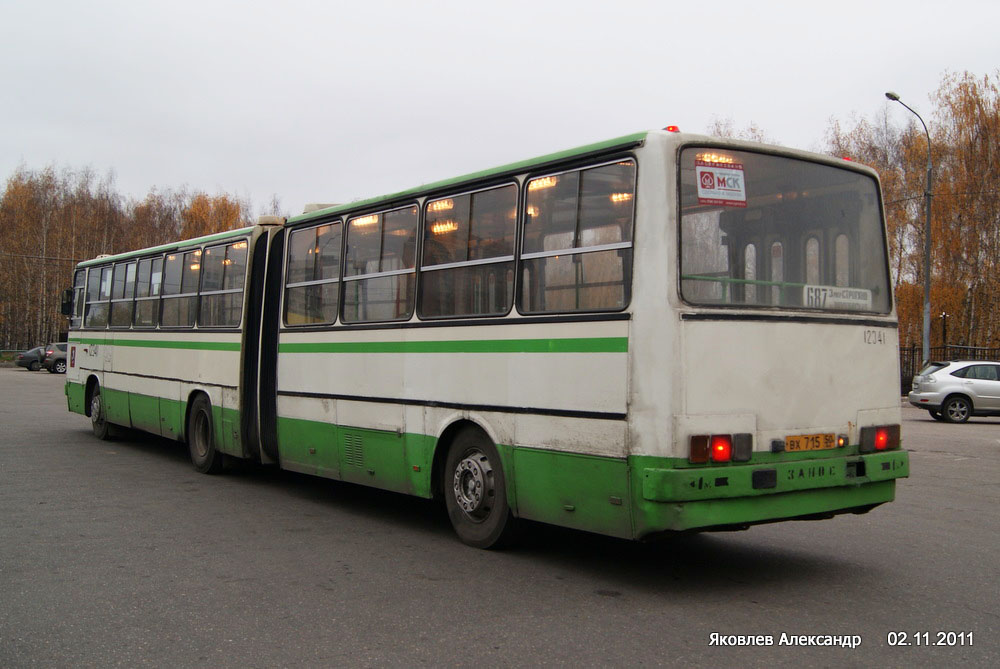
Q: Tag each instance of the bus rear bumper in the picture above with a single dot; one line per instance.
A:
(723, 497)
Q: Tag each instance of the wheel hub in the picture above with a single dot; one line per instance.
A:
(96, 411)
(473, 485)
(201, 435)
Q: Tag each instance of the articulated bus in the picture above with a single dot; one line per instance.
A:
(658, 333)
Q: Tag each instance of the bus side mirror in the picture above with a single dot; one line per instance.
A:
(67, 302)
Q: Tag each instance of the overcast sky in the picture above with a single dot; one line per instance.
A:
(336, 101)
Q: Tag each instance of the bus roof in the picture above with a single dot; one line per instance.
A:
(512, 168)
(162, 248)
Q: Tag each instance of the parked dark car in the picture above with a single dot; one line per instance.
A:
(32, 359)
(55, 358)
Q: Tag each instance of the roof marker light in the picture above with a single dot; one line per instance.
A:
(672, 128)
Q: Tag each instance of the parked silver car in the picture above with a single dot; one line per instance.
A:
(954, 391)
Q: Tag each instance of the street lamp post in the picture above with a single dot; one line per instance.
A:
(926, 350)
(944, 332)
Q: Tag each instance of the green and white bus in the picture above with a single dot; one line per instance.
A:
(661, 332)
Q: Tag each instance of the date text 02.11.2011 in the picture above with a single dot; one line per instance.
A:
(929, 638)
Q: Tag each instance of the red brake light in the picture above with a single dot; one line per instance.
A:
(672, 128)
(879, 438)
(721, 448)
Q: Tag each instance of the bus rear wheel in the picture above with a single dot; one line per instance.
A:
(99, 416)
(475, 492)
(201, 438)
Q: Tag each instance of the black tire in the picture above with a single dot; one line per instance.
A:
(34, 366)
(475, 492)
(99, 416)
(956, 410)
(59, 367)
(201, 438)
(936, 415)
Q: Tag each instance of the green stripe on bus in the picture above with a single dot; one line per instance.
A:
(575, 345)
(569, 345)
(155, 343)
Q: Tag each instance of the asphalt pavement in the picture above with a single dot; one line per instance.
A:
(120, 554)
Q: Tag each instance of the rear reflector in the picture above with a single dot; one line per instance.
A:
(699, 449)
(742, 447)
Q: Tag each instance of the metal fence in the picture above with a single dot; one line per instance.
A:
(910, 359)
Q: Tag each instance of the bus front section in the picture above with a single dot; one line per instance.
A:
(788, 405)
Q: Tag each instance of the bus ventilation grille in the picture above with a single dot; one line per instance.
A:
(353, 452)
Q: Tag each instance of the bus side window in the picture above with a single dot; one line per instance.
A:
(180, 289)
(577, 248)
(147, 292)
(312, 279)
(223, 269)
(841, 261)
(122, 292)
(474, 231)
(79, 295)
(750, 273)
(777, 272)
(812, 262)
(98, 292)
(380, 266)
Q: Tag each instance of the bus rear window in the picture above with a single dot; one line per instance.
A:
(760, 230)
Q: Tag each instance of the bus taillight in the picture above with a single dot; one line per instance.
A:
(879, 438)
(722, 448)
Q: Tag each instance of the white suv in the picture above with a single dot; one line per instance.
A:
(953, 391)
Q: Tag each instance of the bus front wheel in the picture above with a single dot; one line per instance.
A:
(201, 438)
(475, 492)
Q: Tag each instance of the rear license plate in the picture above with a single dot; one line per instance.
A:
(810, 442)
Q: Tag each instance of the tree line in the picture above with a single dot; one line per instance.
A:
(51, 219)
(964, 128)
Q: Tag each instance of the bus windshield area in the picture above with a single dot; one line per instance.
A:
(760, 230)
